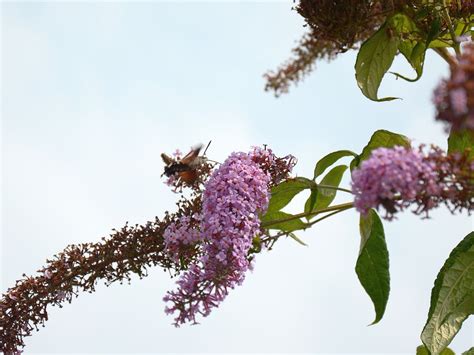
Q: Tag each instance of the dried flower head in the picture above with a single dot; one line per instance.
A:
(454, 97)
(130, 250)
(461, 9)
(334, 28)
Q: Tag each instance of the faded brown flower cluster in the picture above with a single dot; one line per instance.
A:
(335, 26)
(78, 268)
(455, 174)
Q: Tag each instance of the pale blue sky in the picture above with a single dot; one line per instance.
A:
(93, 92)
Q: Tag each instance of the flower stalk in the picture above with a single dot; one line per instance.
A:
(340, 207)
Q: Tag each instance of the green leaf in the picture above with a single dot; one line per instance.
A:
(283, 193)
(459, 141)
(286, 224)
(434, 31)
(372, 265)
(452, 297)
(326, 195)
(414, 52)
(410, 46)
(330, 159)
(310, 202)
(445, 40)
(437, 43)
(298, 240)
(469, 352)
(380, 138)
(374, 59)
(422, 350)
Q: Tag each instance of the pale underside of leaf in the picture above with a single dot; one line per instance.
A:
(452, 299)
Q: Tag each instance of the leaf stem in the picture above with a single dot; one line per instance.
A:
(329, 215)
(280, 234)
(443, 52)
(451, 28)
(342, 206)
(329, 187)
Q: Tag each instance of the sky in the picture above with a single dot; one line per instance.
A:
(93, 92)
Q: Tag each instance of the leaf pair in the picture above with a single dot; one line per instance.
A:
(281, 196)
(376, 55)
(400, 34)
(324, 193)
(321, 195)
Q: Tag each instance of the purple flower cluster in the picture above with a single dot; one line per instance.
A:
(234, 196)
(394, 178)
(182, 235)
(454, 98)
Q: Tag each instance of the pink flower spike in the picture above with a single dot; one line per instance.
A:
(234, 196)
(395, 178)
(392, 178)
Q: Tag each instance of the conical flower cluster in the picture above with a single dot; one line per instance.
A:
(396, 178)
(236, 193)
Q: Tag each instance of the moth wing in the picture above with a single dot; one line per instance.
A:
(188, 176)
(193, 154)
(167, 159)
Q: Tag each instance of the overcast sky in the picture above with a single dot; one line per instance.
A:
(93, 92)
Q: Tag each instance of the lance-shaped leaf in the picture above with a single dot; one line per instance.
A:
(297, 239)
(328, 160)
(380, 138)
(460, 141)
(374, 59)
(469, 352)
(326, 195)
(372, 266)
(452, 297)
(283, 193)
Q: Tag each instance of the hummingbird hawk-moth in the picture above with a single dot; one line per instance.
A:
(187, 167)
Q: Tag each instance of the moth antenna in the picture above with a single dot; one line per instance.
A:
(205, 150)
